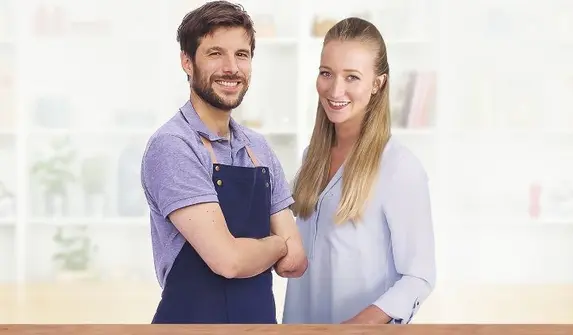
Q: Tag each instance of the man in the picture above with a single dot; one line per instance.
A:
(217, 193)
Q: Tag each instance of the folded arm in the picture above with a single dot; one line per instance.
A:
(176, 174)
(295, 262)
(283, 223)
(205, 228)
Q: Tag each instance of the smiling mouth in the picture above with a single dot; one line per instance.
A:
(228, 83)
(337, 103)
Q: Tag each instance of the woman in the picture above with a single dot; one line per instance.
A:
(361, 198)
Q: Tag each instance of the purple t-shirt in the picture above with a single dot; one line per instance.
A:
(176, 172)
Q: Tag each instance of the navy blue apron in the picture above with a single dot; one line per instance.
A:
(193, 293)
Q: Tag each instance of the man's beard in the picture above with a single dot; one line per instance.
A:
(202, 86)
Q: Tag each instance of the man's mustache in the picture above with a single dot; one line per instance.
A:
(231, 78)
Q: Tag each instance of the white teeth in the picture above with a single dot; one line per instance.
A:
(228, 83)
(338, 103)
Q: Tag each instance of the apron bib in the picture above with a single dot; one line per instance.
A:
(193, 293)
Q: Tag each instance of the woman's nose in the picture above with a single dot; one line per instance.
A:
(337, 88)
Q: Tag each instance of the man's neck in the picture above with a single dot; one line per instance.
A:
(215, 119)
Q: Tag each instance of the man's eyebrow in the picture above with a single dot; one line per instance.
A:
(215, 48)
(219, 49)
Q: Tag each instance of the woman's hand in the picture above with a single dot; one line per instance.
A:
(370, 315)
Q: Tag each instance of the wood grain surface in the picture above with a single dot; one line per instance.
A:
(282, 329)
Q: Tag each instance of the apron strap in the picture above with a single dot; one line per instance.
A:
(209, 147)
(252, 156)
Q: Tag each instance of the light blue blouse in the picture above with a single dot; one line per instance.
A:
(387, 259)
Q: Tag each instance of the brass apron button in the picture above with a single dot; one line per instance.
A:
(217, 168)
(264, 171)
(219, 182)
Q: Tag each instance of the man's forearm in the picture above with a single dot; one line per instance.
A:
(257, 256)
(283, 224)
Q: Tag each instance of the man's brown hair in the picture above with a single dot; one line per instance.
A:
(206, 19)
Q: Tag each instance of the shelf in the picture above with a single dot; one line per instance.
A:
(91, 131)
(499, 223)
(414, 131)
(403, 54)
(79, 132)
(92, 222)
(283, 42)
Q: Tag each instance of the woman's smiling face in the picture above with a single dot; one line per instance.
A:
(346, 80)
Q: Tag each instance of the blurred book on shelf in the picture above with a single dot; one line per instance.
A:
(324, 21)
(87, 19)
(413, 99)
(264, 25)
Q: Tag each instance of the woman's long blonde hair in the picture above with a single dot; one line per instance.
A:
(362, 164)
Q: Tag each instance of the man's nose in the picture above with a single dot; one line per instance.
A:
(230, 65)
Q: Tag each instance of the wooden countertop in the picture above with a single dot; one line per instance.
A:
(134, 303)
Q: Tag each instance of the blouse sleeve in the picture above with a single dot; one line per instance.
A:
(408, 212)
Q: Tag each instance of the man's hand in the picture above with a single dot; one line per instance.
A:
(295, 263)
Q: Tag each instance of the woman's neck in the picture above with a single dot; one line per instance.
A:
(346, 134)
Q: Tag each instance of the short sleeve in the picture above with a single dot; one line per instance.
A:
(173, 175)
(281, 195)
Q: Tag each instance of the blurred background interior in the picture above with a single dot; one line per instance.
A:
(480, 92)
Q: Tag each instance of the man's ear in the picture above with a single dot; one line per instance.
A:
(379, 83)
(186, 64)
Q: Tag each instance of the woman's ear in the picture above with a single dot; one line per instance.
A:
(186, 64)
(379, 83)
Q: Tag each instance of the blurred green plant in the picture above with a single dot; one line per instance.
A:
(76, 250)
(54, 172)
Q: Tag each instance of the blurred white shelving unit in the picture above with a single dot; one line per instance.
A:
(488, 115)
(507, 143)
(94, 83)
